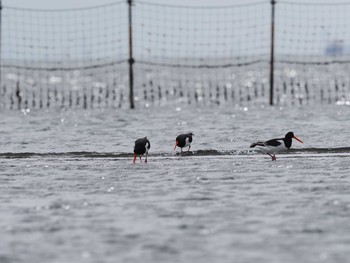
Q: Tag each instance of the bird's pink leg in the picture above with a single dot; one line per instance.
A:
(146, 158)
(134, 158)
(272, 156)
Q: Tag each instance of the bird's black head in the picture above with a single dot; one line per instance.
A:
(190, 135)
(289, 135)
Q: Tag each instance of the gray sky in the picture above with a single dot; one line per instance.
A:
(45, 4)
(85, 3)
(310, 29)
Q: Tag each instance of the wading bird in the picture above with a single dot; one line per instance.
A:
(271, 147)
(141, 147)
(184, 140)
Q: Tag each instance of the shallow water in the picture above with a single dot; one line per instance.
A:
(65, 205)
(108, 130)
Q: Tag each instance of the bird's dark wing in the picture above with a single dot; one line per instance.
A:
(142, 141)
(181, 137)
(274, 142)
(258, 144)
(138, 141)
(181, 140)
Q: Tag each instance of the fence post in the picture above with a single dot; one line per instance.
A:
(131, 60)
(272, 51)
(0, 40)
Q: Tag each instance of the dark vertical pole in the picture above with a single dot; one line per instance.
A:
(272, 51)
(131, 60)
(0, 39)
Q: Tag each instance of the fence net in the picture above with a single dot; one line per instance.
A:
(183, 54)
(63, 58)
(313, 53)
(200, 55)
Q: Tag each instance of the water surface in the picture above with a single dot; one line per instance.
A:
(76, 196)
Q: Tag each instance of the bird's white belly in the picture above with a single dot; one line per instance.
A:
(187, 143)
(272, 149)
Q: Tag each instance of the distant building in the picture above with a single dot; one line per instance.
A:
(335, 48)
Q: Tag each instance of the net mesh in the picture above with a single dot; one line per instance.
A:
(183, 54)
(72, 58)
(200, 55)
(313, 53)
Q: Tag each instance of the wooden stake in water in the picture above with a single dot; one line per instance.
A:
(18, 95)
(131, 59)
(272, 51)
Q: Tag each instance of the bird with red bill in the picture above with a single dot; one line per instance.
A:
(141, 147)
(273, 146)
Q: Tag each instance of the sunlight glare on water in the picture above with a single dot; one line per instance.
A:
(212, 208)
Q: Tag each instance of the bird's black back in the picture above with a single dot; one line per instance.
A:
(287, 140)
(140, 146)
(181, 139)
(274, 142)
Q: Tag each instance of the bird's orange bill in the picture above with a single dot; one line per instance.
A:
(134, 158)
(175, 145)
(298, 139)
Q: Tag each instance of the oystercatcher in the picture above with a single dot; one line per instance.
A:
(141, 147)
(184, 140)
(271, 147)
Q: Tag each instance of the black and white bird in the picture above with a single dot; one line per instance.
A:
(141, 147)
(273, 146)
(184, 140)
